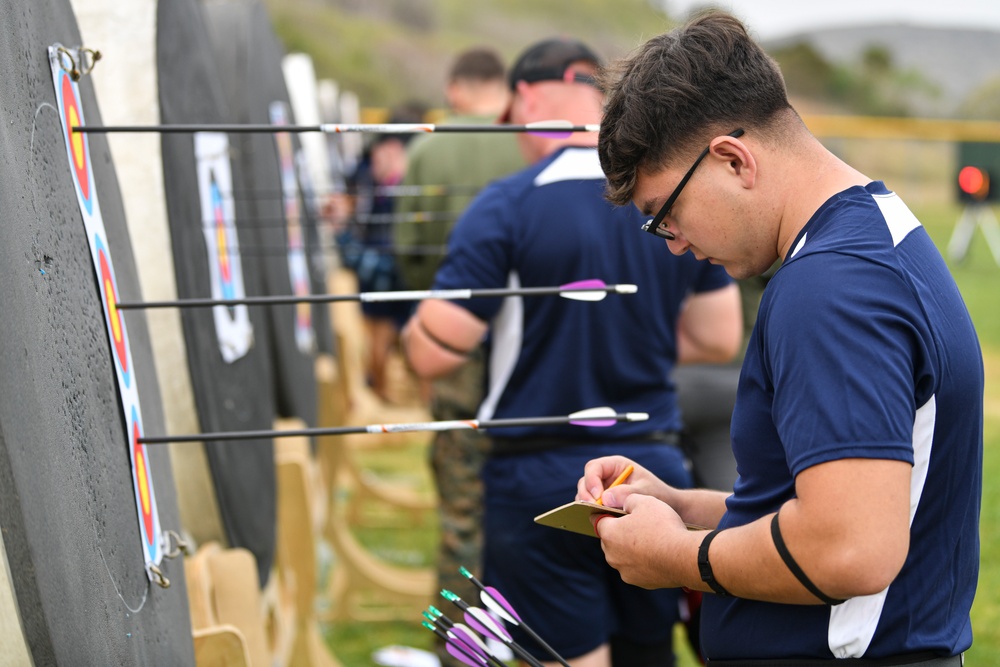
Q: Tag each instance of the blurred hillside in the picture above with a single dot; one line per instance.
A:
(391, 52)
(394, 51)
(896, 69)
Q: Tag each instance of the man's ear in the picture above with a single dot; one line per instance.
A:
(737, 155)
(526, 96)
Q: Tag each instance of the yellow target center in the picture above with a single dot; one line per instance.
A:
(76, 138)
(109, 294)
(140, 465)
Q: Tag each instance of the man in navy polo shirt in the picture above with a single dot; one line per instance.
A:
(550, 225)
(852, 533)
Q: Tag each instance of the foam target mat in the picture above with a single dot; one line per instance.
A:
(83, 508)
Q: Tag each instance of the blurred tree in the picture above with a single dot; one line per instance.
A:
(878, 88)
(388, 51)
(807, 73)
(983, 103)
(873, 86)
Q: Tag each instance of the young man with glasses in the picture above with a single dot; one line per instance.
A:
(852, 532)
(549, 225)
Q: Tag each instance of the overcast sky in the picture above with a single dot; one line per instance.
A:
(777, 18)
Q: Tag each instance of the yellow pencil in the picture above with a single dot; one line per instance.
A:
(621, 478)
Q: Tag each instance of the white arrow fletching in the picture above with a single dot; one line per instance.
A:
(595, 413)
(465, 633)
(549, 125)
(584, 295)
(489, 623)
(496, 608)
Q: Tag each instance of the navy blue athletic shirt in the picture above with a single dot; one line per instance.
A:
(863, 348)
(549, 225)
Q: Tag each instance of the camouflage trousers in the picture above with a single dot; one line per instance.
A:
(456, 460)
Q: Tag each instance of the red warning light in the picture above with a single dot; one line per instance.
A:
(974, 182)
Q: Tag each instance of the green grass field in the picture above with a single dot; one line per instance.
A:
(978, 278)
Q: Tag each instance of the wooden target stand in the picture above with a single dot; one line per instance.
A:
(363, 587)
(346, 400)
(225, 602)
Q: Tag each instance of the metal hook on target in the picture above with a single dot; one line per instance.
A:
(68, 62)
(179, 544)
(158, 576)
(77, 62)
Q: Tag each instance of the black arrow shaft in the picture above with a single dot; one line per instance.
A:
(264, 128)
(371, 297)
(374, 428)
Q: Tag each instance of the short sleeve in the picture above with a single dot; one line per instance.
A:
(480, 250)
(841, 360)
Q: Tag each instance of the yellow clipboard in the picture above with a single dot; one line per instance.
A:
(575, 517)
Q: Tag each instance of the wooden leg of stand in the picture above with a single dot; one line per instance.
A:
(298, 487)
(220, 646)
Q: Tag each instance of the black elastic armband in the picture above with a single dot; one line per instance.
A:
(786, 556)
(440, 343)
(705, 567)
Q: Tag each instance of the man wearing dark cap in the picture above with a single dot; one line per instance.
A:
(549, 224)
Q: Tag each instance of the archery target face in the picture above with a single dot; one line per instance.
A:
(218, 213)
(298, 269)
(78, 154)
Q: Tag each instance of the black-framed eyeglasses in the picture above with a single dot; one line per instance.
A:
(655, 224)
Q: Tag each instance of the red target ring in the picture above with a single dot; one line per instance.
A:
(113, 314)
(142, 484)
(75, 140)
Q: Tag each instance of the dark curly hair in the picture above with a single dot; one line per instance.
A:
(678, 90)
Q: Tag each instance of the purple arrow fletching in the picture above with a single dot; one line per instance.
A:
(496, 602)
(584, 290)
(551, 134)
(594, 417)
(481, 621)
(466, 637)
(464, 655)
(592, 283)
(478, 627)
(594, 422)
(492, 598)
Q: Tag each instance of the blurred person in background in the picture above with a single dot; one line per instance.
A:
(454, 167)
(707, 394)
(366, 244)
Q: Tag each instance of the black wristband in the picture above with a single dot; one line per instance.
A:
(786, 556)
(437, 341)
(705, 568)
